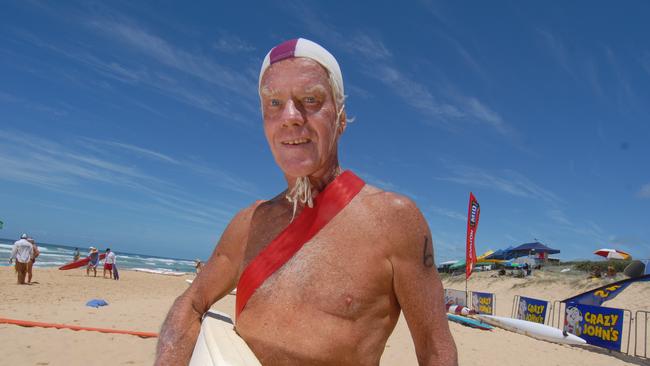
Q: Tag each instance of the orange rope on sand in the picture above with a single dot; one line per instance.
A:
(25, 323)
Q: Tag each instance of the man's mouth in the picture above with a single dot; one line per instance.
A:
(298, 141)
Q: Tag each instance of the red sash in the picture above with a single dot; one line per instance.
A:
(327, 205)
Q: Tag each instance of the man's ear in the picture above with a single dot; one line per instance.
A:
(343, 122)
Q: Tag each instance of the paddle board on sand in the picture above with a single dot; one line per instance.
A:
(80, 263)
(469, 322)
(219, 345)
(531, 329)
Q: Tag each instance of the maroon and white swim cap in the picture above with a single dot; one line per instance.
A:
(301, 47)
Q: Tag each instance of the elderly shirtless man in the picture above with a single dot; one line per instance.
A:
(324, 268)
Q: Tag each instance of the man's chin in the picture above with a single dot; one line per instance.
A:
(298, 170)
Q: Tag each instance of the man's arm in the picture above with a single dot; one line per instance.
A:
(417, 285)
(183, 323)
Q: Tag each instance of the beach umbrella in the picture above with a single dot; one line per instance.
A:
(612, 254)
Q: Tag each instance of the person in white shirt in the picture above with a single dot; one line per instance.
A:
(109, 261)
(22, 252)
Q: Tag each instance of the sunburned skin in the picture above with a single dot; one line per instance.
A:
(336, 301)
(332, 303)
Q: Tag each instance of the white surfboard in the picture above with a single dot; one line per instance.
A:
(531, 329)
(219, 345)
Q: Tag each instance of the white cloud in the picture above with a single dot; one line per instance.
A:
(509, 182)
(557, 49)
(164, 52)
(559, 216)
(644, 192)
(136, 149)
(13, 99)
(645, 61)
(102, 175)
(161, 81)
(230, 43)
(378, 63)
(448, 213)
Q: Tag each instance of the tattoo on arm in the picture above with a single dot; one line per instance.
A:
(427, 259)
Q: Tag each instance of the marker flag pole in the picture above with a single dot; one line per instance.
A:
(473, 214)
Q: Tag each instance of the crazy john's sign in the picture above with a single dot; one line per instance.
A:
(483, 302)
(598, 325)
(532, 310)
(455, 297)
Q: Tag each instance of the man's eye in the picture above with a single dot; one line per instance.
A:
(309, 100)
(275, 102)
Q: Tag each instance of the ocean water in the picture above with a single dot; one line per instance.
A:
(55, 255)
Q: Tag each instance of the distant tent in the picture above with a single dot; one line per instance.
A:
(502, 254)
(535, 247)
(522, 251)
(461, 264)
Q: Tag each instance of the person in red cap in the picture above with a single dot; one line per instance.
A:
(324, 269)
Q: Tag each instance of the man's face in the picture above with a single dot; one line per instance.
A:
(299, 116)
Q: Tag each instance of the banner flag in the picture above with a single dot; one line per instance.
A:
(604, 293)
(598, 325)
(472, 225)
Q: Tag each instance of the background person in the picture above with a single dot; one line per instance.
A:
(198, 265)
(109, 261)
(30, 264)
(94, 260)
(76, 255)
(22, 251)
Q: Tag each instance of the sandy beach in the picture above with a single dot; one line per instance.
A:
(139, 301)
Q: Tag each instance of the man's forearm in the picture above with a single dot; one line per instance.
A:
(179, 333)
(442, 353)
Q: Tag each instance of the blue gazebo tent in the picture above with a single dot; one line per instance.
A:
(535, 248)
(503, 254)
(523, 250)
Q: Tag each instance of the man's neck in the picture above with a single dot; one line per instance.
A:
(319, 180)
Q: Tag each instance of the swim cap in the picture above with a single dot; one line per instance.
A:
(24, 236)
(301, 47)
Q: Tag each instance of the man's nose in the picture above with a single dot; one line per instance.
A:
(291, 115)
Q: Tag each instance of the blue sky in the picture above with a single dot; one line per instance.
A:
(136, 125)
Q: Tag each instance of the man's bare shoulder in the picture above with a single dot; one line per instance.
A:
(237, 230)
(245, 215)
(393, 210)
(390, 203)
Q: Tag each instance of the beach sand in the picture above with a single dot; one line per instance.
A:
(139, 301)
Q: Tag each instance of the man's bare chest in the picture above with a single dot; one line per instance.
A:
(342, 270)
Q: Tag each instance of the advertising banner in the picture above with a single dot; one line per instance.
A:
(604, 293)
(473, 214)
(532, 310)
(482, 302)
(455, 297)
(598, 325)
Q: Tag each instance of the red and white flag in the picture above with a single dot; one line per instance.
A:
(472, 225)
